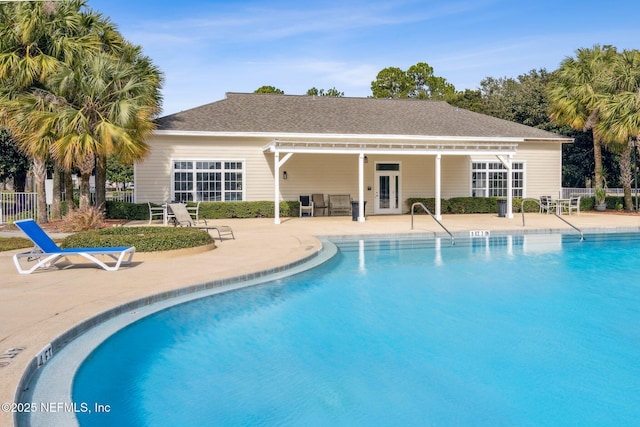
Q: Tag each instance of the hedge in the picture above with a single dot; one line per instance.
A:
(210, 210)
(264, 209)
(475, 205)
(145, 239)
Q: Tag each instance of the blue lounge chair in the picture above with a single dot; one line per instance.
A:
(46, 252)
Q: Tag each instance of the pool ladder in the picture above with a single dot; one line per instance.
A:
(453, 240)
(555, 213)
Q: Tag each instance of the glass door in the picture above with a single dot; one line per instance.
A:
(387, 191)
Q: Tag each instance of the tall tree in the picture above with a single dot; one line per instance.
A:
(620, 113)
(98, 95)
(520, 100)
(36, 40)
(109, 109)
(321, 92)
(119, 173)
(391, 82)
(269, 90)
(468, 99)
(426, 85)
(418, 82)
(27, 58)
(575, 91)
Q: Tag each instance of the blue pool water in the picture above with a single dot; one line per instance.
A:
(510, 330)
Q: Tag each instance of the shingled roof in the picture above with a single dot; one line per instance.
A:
(241, 112)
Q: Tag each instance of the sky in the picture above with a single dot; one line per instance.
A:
(208, 48)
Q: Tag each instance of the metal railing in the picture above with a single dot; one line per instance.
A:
(545, 208)
(16, 206)
(566, 192)
(453, 240)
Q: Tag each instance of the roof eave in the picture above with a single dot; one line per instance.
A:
(565, 140)
(357, 137)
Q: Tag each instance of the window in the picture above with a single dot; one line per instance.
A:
(489, 179)
(207, 180)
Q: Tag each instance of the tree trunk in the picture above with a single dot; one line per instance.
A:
(85, 191)
(68, 191)
(86, 166)
(55, 206)
(597, 157)
(625, 175)
(101, 182)
(40, 175)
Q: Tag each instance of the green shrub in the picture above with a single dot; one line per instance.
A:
(461, 205)
(475, 205)
(124, 210)
(587, 203)
(260, 209)
(210, 210)
(290, 208)
(614, 202)
(145, 239)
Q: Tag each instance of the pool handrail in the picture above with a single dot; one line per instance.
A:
(554, 213)
(453, 240)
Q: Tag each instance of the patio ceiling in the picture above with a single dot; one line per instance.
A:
(406, 147)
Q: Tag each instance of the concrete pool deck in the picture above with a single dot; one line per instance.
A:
(37, 308)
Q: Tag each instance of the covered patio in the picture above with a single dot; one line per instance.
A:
(503, 149)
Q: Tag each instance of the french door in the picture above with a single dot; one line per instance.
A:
(388, 193)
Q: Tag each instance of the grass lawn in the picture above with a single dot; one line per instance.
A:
(11, 243)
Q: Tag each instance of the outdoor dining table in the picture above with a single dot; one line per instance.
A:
(560, 205)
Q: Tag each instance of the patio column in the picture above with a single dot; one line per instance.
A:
(276, 186)
(277, 163)
(507, 163)
(361, 188)
(438, 213)
(509, 187)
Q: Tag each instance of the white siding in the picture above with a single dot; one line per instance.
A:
(153, 174)
(332, 174)
(543, 165)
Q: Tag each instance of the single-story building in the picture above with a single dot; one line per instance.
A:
(277, 147)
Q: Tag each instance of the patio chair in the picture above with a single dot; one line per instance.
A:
(339, 204)
(319, 204)
(46, 252)
(547, 204)
(574, 204)
(155, 211)
(306, 206)
(194, 211)
(183, 219)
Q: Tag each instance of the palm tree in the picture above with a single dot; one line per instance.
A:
(575, 91)
(36, 38)
(22, 64)
(620, 113)
(17, 117)
(73, 88)
(110, 105)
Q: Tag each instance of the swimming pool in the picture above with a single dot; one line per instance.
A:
(507, 330)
